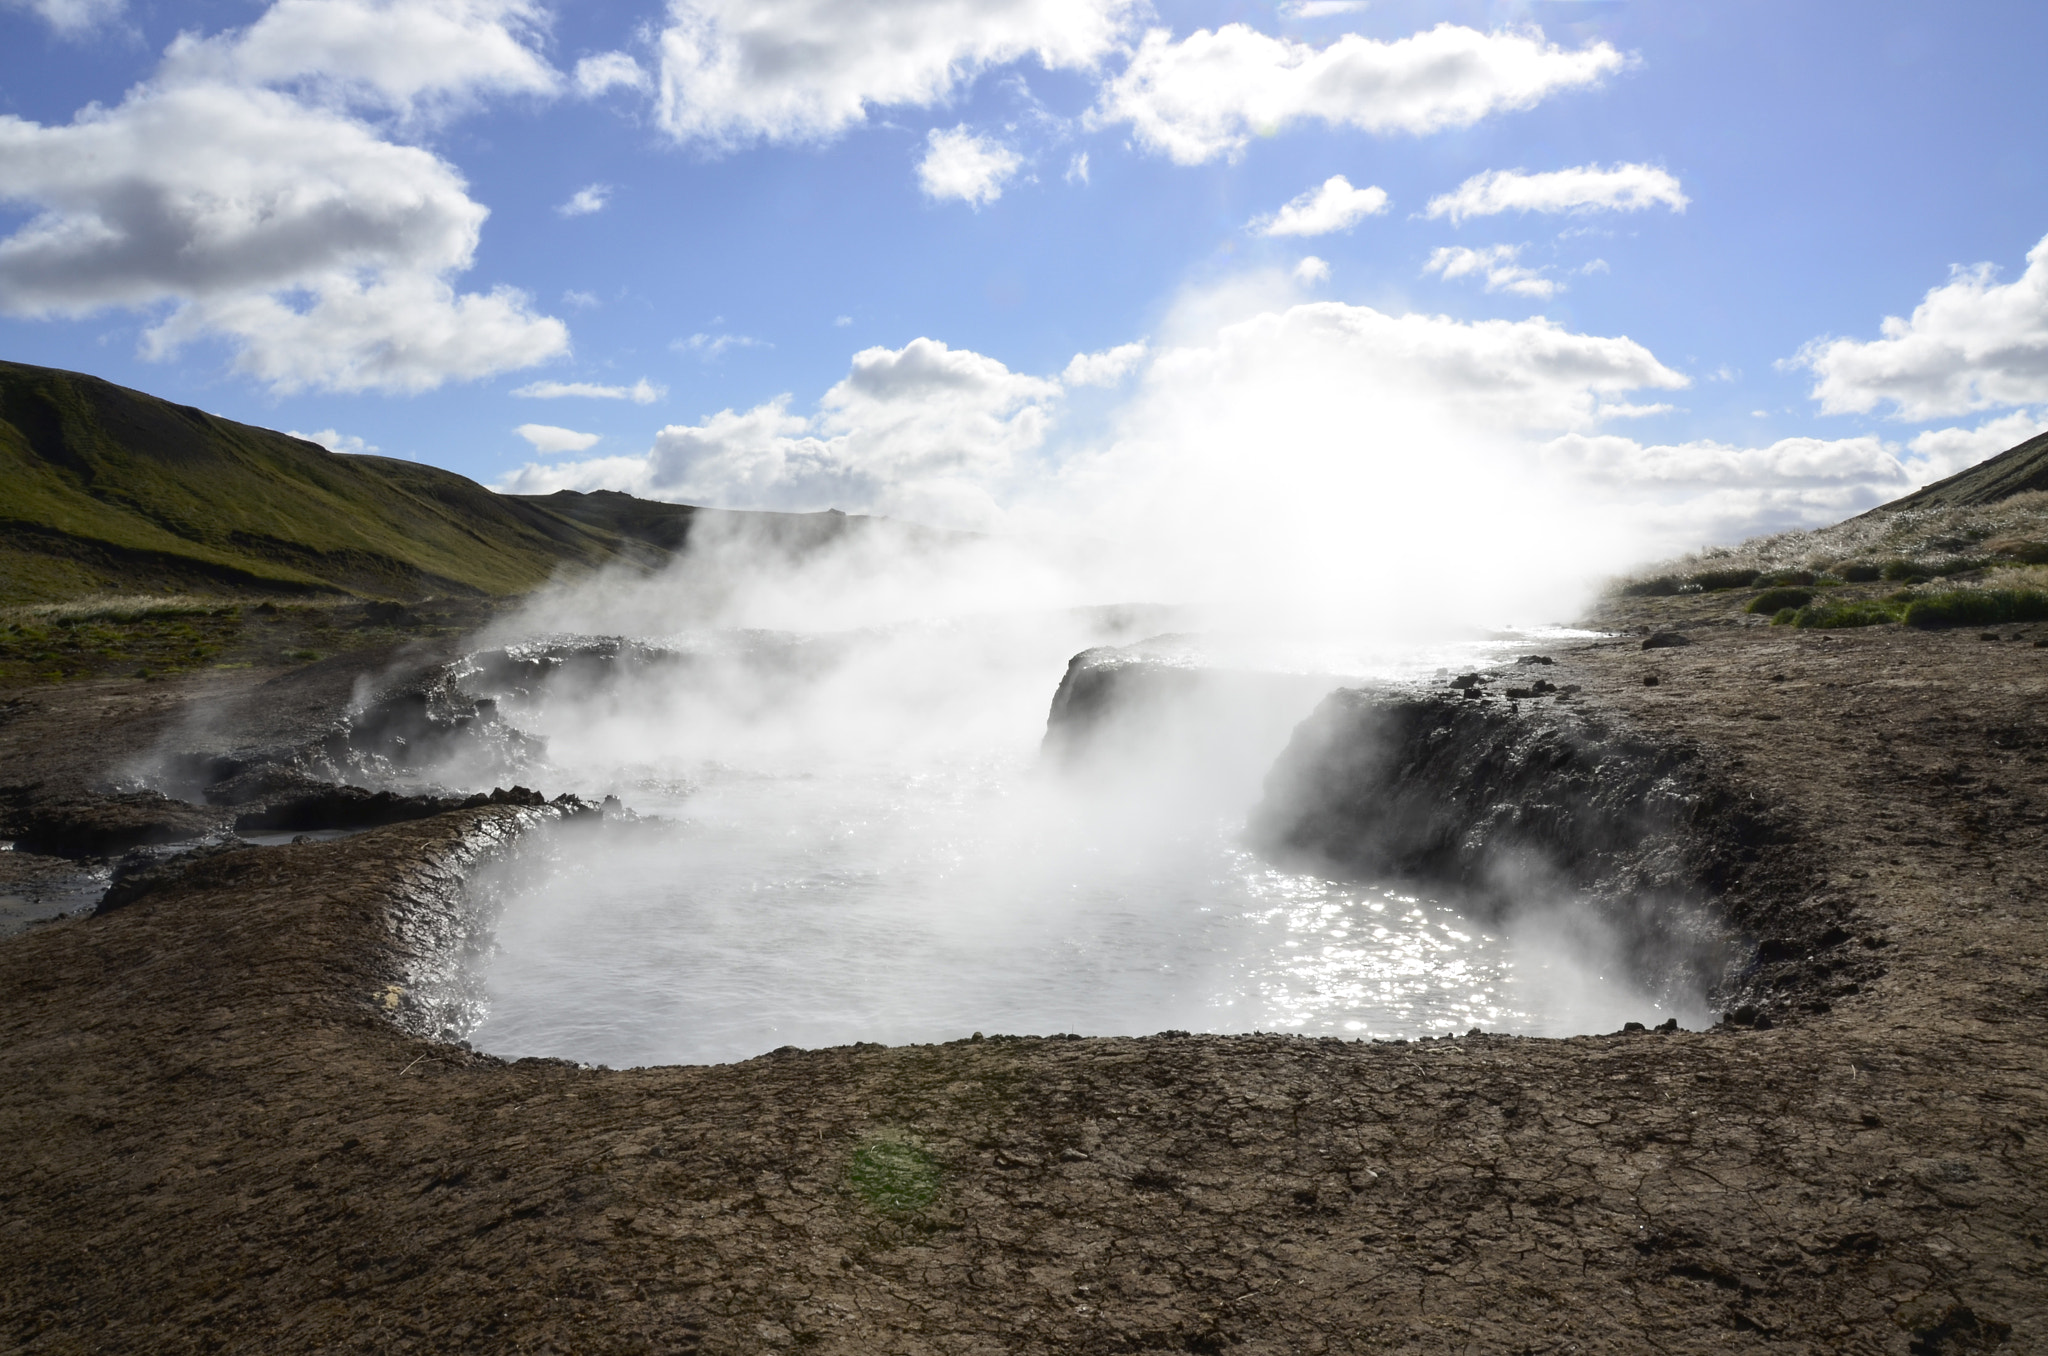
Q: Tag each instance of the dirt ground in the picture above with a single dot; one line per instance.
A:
(218, 1140)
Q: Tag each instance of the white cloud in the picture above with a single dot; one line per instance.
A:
(842, 321)
(959, 164)
(1210, 93)
(641, 392)
(321, 251)
(923, 431)
(712, 346)
(1706, 491)
(737, 71)
(580, 300)
(335, 441)
(597, 75)
(402, 332)
(1106, 368)
(1319, 9)
(1971, 344)
(71, 18)
(1311, 270)
(549, 440)
(1496, 264)
(394, 54)
(584, 201)
(1077, 169)
(1587, 188)
(1333, 206)
(1944, 451)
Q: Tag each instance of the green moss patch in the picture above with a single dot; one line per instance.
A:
(893, 1175)
(1777, 600)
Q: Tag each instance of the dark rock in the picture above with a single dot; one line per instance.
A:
(99, 826)
(1535, 659)
(1650, 680)
(1667, 640)
(1467, 681)
(1627, 1027)
(1987, 635)
(1520, 694)
(139, 874)
(263, 782)
(1668, 1025)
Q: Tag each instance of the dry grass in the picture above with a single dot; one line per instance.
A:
(1936, 539)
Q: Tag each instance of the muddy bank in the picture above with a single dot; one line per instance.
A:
(224, 1141)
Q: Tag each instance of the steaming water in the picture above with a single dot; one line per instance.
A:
(857, 839)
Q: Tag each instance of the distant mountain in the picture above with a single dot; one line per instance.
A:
(2014, 471)
(102, 487)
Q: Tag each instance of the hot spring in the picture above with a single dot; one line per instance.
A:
(825, 837)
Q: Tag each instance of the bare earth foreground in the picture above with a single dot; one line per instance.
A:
(217, 1140)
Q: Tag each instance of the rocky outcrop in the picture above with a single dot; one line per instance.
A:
(1509, 808)
(99, 825)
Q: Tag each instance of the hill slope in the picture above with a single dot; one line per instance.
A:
(102, 487)
(2017, 470)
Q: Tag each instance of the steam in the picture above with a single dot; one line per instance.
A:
(828, 730)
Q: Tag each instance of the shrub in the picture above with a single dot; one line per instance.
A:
(1829, 615)
(1724, 579)
(1860, 572)
(1978, 607)
(1663, 586)
(1781, 578)
(1903, 571)
(1777, 600)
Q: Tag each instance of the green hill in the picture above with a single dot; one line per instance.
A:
(2016, 470)
(103, 488)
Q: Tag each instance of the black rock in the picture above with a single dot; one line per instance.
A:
(1666, 640)
(1535, 659)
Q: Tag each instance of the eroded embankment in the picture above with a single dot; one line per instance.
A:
(223, 1142)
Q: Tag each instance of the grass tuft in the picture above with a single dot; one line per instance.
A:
(1977, 607)
(894, 1176)
(1778, 600)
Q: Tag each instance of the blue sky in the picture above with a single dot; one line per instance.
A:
(846, 254)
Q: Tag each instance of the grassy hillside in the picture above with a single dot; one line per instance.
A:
(107, 490)
(2017, 470)
(105, 487)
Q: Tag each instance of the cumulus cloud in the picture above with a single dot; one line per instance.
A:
(597, 75)
(1944, 451)
(1106, 368)
(320, 249)
(955, 437)
(1208, 94)
(1312, 270)
(584, 201)
(1077, 169)
(72, 18)
(1972, 344)
(1587, 188)
(959, 164)
(1333, 206)
(1497, 265)
(548, 440)
(402, 332)
(924, 431)
(738, 71)
(641, 392)
(335, 441)
(391, 53)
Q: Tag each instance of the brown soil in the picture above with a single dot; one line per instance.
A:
(219, 1139)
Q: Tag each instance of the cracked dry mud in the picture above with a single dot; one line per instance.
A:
(217, 1141)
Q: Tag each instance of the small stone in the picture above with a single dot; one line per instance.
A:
(1649, 680)
(1987, 635)
(1666, 640)
(1633, 1026)
(1669, 1024)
